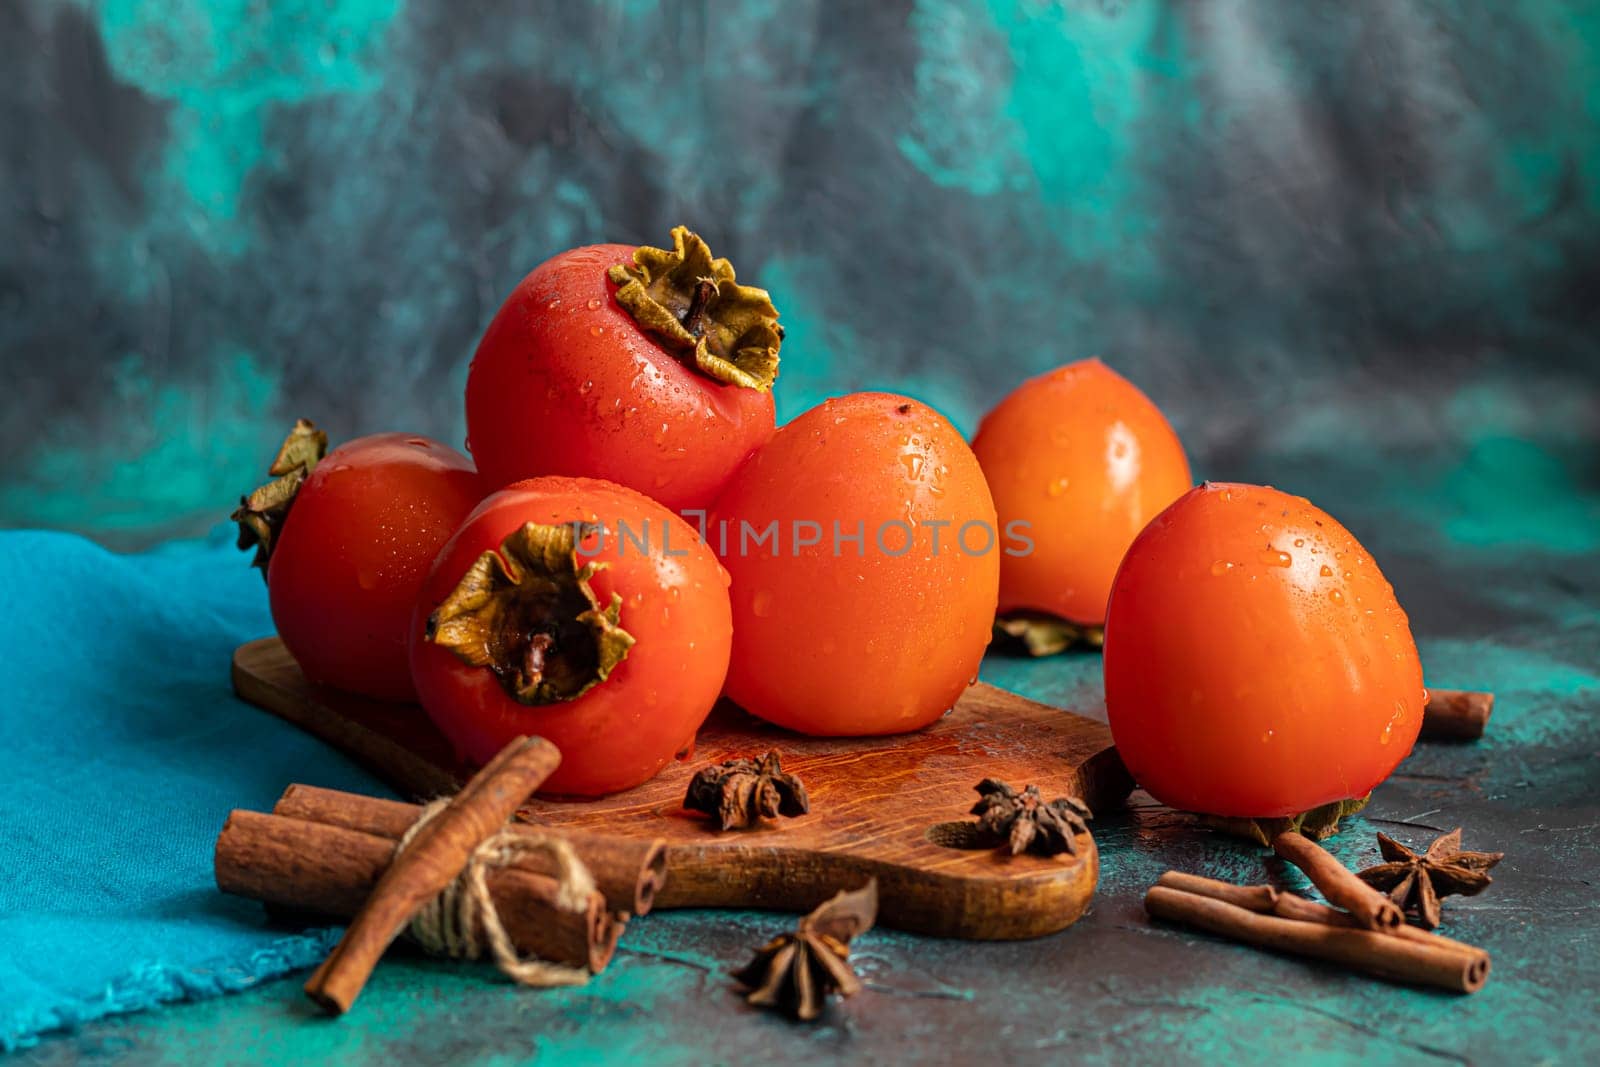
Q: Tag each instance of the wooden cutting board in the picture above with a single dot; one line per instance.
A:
(890, 807)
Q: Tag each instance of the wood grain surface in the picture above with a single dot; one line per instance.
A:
(894, 808)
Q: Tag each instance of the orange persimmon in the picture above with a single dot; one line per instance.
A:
(1085, 459)
(1257, 663)
(864, 554)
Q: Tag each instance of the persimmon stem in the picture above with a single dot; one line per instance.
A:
(694, 319)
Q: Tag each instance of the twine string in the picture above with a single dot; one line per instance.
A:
(449, 924)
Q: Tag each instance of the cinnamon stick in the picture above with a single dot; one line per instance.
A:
(1290, 906)
(1370, 908)
(1267, 900)
(307, 868)
(1395, 958)
(627, 870)
(1258, 898)
(433, 859)
(1456, 714)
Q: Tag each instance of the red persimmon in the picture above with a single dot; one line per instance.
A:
(647, 367)
(580, 611)
(1083, 457)
(1257, 663)
(865, 558)
(345, 540)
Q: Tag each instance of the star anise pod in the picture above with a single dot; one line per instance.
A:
(1026, 823)
(1417, 881)
(738, 792)
(794, 972)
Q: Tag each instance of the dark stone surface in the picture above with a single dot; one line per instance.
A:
(1113, 988)
(1351, 249)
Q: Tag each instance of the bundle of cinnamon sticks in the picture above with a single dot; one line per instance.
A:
(1365, 932)
(333, 854)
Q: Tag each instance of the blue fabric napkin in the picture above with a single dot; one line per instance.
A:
(122, 749)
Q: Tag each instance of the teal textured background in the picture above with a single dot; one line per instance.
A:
(1300, 228)
(1352, 249)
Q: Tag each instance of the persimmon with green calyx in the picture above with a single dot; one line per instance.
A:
(1257, 664)
(580, 611)
(1083, 457)
(344, 540)
(865, 561)
(648, 367)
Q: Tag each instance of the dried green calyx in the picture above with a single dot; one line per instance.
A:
(261, 514)
(692, 304)
(1318, 823)
(528, 613)
(1040, 634)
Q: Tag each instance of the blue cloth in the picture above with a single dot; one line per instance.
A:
(122, 749)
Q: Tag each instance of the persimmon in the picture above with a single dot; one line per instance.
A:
(647, 367)
(1257, 663)
(580, 611)
(345, 539)
(865, 558)
(1084, 458)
